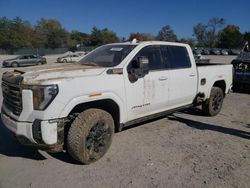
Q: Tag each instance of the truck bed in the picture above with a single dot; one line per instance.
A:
(212, 73)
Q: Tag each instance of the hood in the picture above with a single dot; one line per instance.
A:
(46, 73)
(11, 59)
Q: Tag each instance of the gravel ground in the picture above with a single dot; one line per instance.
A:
(185, 149)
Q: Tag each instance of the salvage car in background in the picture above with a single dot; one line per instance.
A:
(215, 51)
(241, 77)
(24, 60)
(70, 58)
(224, 52)
(233, 52)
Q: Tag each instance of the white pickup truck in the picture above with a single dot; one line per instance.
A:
(78, 107)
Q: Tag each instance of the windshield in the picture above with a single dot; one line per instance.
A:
(107, 56)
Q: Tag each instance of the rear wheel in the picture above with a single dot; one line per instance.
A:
(14, 64)
(213, 105)
(65, 61)
(90, 135)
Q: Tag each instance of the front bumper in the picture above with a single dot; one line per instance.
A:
(45, 135)
(6, 64)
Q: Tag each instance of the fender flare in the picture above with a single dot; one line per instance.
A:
(84, 99)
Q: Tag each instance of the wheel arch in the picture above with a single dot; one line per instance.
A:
(108, 105)
(220, 84)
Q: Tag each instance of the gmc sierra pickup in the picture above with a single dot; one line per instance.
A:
(78, 107)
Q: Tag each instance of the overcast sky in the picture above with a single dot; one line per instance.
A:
(124, 17)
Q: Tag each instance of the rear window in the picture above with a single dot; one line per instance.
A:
(177, 57)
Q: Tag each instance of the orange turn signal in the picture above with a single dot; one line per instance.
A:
(94, 94)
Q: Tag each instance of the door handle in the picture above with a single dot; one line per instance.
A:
(162, 78)
(192, 74)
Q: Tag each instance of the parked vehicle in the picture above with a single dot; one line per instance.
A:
(197, 54)
(215, 51)
(112, 87)
(70, 58)
(24, 60)
(224, 52)
(199, 58)
(234, 52)
(205, 52)
(241, 78)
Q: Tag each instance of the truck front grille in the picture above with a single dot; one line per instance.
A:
(12, 97)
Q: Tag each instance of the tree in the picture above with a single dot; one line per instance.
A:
(141, 36)
(102, 36)
(138, 36)
(246, 36)
(214, 27)
(207, 34)
(15, 34)
(4, 32)
(231, 37)
(199, 31)
(56, 36)
(167, 34)
(189, 41)
(80, 38)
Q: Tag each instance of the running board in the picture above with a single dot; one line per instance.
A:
(154, 116)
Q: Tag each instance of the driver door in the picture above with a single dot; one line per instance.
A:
(147, 95)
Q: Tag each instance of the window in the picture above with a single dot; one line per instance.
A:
(107, 56)
(153, 53)
(177, 57)
(33, 57)
(24, 57)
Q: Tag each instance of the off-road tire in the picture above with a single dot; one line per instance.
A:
(212, 106)
(15, 64)
(84, 143)
(39, 63)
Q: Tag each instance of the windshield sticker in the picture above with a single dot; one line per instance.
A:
(116, 49)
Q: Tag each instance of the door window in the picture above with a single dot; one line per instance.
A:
(177, 57)
(153, 53)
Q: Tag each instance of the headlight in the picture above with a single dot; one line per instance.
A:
(42, 95)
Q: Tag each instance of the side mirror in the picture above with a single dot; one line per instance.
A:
(140, 67)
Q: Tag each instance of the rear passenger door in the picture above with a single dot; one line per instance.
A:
(32, 60)
(183, 82)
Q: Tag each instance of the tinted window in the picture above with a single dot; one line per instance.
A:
(24, 57)
(177, 57)
(153, 53)
(33, 56)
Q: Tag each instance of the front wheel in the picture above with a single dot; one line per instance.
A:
(90, 135)
(14, 64)
(213, 105)
(39, 63)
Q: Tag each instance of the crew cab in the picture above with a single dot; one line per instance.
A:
(78, 107)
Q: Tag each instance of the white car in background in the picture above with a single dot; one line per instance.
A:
(70, 58)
